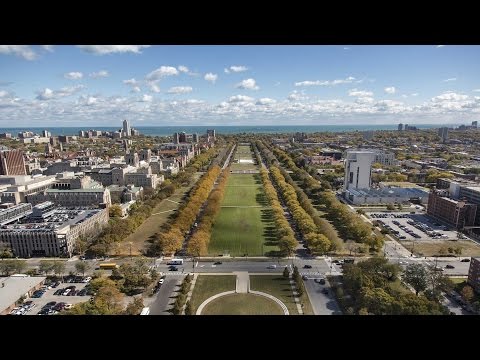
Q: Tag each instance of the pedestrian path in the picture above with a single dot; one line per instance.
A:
(176, 202)
(243, 282)
(295, 297)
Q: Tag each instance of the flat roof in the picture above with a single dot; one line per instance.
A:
(12, 288)
(389, 192)
(75, 190)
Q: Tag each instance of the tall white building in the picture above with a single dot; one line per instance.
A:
(126, 128)
(358, 166)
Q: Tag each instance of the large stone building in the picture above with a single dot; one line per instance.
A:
(14, 212)
(12, 162)
(358, 168)
(16, 189)
(50, 231)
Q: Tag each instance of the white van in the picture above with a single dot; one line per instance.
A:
(145, 311)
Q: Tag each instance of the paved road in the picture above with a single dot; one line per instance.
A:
(163, 298)
(322, 304)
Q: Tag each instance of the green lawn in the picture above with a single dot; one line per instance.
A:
(243, 166)
(242, 304)
(242, 231)
(209, 285)
(277, 286)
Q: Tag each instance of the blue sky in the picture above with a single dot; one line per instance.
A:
(237, 85)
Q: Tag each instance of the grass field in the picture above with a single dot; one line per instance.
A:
(425, 248)
(279, 287)
(242, 304)
(152, 225)
(209, 285)
(243, 190)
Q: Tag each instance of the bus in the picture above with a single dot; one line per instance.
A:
(145, 311)
(108, 266)
(175, 262)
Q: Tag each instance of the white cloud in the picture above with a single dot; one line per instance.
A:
(235, 69)
(3, 93)
(180, 90)
(154, 86)
(211, 77)
(74, 75)
(347, 80)
(360, 93)
(346, 48)
(48, 48)
(449, 96)
(450, 79)
(111, 49)
(161, 72)
(476, 90)
(99, 74)
(49, 94)
(249, 84)
(266, 101)
(137, 89)
(183, 69)
(147, 98)
(390, 90)
(414, 94)
(240, 98)
(296, 96)
(23, 51)
(440, 46)
(133, 83)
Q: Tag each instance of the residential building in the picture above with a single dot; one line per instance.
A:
(211, 133)
(52, 231)
(12, 162)
(46, 133)
(5, 136)
(400, 127)
(443, 133)
(474, 124)
(126, 128)
(474, 274)
(458, 213)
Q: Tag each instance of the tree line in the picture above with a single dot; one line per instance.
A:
(198, 243)
(171, 240)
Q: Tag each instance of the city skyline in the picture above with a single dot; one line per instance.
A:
(100, 85)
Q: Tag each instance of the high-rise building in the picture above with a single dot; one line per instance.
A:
(182, 137)
(443, 133)
(145, 155)
(195, 138)
(176, 138)
(400, 127)
(358, 168)
(406, 127)
(126, 128)
(12, 163)
(474, 124)
(211, 132)
(46, 133)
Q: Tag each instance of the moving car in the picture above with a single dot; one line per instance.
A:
(306, 266)
(465, 260)
(321, 281)
(173, 268)
(217, 263)
(160, 282)
(272, 266)
(449, 266)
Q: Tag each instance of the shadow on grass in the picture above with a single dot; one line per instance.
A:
(261, 199)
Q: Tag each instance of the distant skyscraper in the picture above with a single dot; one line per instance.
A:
(211, 132)
(182, 137)
(443, 133)
(474, 124)
(368, 135)
(406, 127)
(195, 138)
(358, 169)
(46, 133)
(126, 128)
(12, 163)
(400, 127)
(176, 138)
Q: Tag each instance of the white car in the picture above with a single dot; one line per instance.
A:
(87, 279)
(68, 306)
(160, 282)
(65, 293)
(271, 266)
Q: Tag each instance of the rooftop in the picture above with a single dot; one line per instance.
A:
(12, 288)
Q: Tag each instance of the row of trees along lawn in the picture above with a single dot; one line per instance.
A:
(118, 228)
(198, 243)
(372, 287)
(283, 230)
(323, 225)
(171, 240)
(316, 241)
(181, 298)
(349, 225)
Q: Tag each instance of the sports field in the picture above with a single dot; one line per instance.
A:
(244, 224)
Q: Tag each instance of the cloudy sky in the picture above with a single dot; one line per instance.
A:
(95, 85)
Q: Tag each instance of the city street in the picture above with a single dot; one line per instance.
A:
(322, 304)
(162, 300)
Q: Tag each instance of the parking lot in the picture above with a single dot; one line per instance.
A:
(420, 227)
(49, 297)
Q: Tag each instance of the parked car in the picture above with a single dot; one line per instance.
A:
(67, 306)
(87, 279)
(320, 281)
(448, 266)
(306, 266)
(173, 268)
(82, 292)
(325, 291)
(304, 277)
(217, 263)
(465, 260)
(160, 282)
